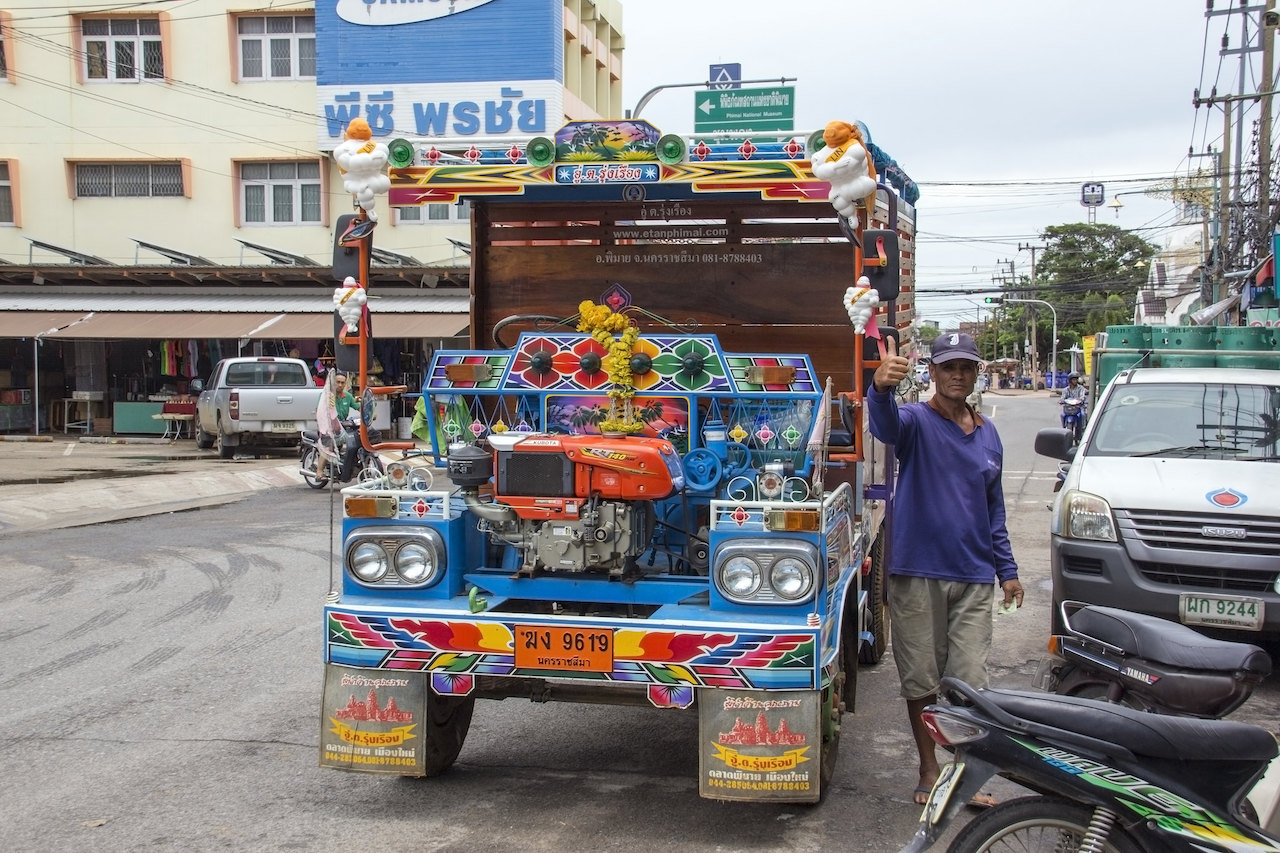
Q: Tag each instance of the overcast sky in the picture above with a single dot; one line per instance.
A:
(1023, 100)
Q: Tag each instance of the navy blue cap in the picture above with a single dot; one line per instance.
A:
(954, 345)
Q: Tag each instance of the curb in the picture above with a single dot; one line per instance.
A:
(26, 438)
(115, 439)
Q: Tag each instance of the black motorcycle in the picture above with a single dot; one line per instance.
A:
(1109, 779)
(356, 462)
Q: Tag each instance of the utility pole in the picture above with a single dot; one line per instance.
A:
(1269, 21)
(1035, 347)
(1006, 281)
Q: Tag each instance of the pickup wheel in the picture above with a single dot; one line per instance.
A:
(226, 450)
(204, 440)
(447, 723)
(877, 606)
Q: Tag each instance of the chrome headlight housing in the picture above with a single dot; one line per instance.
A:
(766, 571)
(1082, 515)
(394, 556)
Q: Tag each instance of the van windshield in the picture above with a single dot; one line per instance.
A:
(1196, 421)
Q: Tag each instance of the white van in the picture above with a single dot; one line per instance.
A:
(1171, 503)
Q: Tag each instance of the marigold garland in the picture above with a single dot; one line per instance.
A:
(601, 322)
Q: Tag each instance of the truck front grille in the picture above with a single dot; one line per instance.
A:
(1216, 551)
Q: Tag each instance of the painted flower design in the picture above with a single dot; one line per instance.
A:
(541, 363)
(589, 353)
(692, 365)
(651, 376)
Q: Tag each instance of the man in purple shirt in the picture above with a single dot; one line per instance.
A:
(949, 545)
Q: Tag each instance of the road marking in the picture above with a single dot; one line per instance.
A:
(67, 452)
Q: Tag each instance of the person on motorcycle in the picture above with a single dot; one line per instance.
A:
(1074, 394)
(341, 403)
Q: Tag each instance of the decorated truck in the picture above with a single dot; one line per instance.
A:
(653, 484)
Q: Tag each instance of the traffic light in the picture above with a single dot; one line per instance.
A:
(993, 300)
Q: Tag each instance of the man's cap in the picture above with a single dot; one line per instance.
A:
(954, 345)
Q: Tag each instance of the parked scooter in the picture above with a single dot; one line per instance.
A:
(1149, 663)
(361, 465)
(1111, 779)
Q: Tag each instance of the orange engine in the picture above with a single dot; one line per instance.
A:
(549, 476)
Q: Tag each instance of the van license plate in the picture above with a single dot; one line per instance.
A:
(1225, 611)
(578, 649)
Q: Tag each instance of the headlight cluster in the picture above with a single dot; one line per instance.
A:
(395, 556)
(760, 571)
(1085, 516)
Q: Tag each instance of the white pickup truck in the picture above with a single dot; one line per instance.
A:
(255, 402)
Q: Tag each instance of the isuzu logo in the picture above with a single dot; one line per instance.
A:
(1223, 532)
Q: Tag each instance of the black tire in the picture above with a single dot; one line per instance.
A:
(204, 440)
(371, 467)
(1083, 685)
(448, 721)
(832, 708)
(1035, 823)
(308, 466)
(225, 449)
(877, 605)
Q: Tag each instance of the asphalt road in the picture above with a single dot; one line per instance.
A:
(161, 679)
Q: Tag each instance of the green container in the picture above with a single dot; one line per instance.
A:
(1114, 361)
(1128, 337)
(1176, 346)
(1246, 346)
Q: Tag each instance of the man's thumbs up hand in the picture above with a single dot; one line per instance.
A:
(893, 367)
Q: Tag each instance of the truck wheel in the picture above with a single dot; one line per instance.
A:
(204, 440)
(877, 605)
(226, 450)
(833, 706)
(448, 721)
(308, 466)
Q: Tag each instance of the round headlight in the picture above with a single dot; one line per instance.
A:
(741, 576)
(369, 562)
(791, 578)
(415, 562)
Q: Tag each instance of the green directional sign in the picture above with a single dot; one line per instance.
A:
(746, 110)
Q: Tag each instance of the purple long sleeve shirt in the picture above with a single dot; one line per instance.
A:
(948, 508)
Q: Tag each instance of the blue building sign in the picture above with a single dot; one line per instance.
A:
(422, 68)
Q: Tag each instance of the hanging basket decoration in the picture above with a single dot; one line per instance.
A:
(603, 323)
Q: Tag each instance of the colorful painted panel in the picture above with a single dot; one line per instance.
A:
(674, 658)
(678, 364)
(805, 381)
(438, 379)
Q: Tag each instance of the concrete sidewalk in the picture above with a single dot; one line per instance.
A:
(53, 481)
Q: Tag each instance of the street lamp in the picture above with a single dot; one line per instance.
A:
(1053, 364)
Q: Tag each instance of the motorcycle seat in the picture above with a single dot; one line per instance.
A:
(1169, 643)
(1142, 733)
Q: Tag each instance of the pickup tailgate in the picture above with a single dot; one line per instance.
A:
(279, 409)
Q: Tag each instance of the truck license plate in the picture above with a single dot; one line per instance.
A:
(1227, 611)
(284, 426)
(554, 647)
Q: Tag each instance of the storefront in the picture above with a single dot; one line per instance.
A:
(106, 359)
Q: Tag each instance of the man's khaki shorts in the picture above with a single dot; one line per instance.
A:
(939, 628)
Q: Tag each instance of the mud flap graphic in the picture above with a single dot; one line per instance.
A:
(369, 722)
(758, 745)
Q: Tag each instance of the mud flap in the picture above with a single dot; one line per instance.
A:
(760, 745)
(369, 721)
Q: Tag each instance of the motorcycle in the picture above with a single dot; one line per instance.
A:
(1148, 663)
(1073, 415)
(1110, 779)
(367, 465)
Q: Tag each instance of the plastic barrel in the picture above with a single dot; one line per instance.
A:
(1174, 346)
(1128, 337)
(1246, 346)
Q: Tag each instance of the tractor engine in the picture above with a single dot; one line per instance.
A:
(570, 503)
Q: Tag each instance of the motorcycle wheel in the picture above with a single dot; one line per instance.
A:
(371, 467)
(1073, 681)
(308, 466)
(1036, 823)
(448, 721)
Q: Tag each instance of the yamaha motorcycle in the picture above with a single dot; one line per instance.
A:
(1073, 415)
(366, 464)
(1109, 779)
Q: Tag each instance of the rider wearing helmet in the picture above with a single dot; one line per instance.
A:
(1073, 397)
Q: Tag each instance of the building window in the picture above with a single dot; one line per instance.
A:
(128, 180)
(280, 193)
(122, 49)
(277, 47)
(460, 212)
(6, 195)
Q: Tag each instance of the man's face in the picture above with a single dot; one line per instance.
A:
(954, 380)
(340, 383)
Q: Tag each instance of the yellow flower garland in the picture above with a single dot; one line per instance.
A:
(601, 322)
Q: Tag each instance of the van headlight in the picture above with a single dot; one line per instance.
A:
(395, 556)
(1085, 516)
(763, 571)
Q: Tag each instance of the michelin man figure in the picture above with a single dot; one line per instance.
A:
(845, 163)
(362, 163)
(349, 300)
(861, 302)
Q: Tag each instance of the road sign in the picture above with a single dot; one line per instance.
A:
(727, 76)
(746, 110)
(1092, 195)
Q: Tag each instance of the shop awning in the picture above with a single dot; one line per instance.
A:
(28, 324)
(117, 325)
(302, 326)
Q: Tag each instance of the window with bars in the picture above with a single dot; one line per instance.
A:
(122, 49)
(277, 47)
(6, 195)
(460, 212)
(129, 180)
(280, 193)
